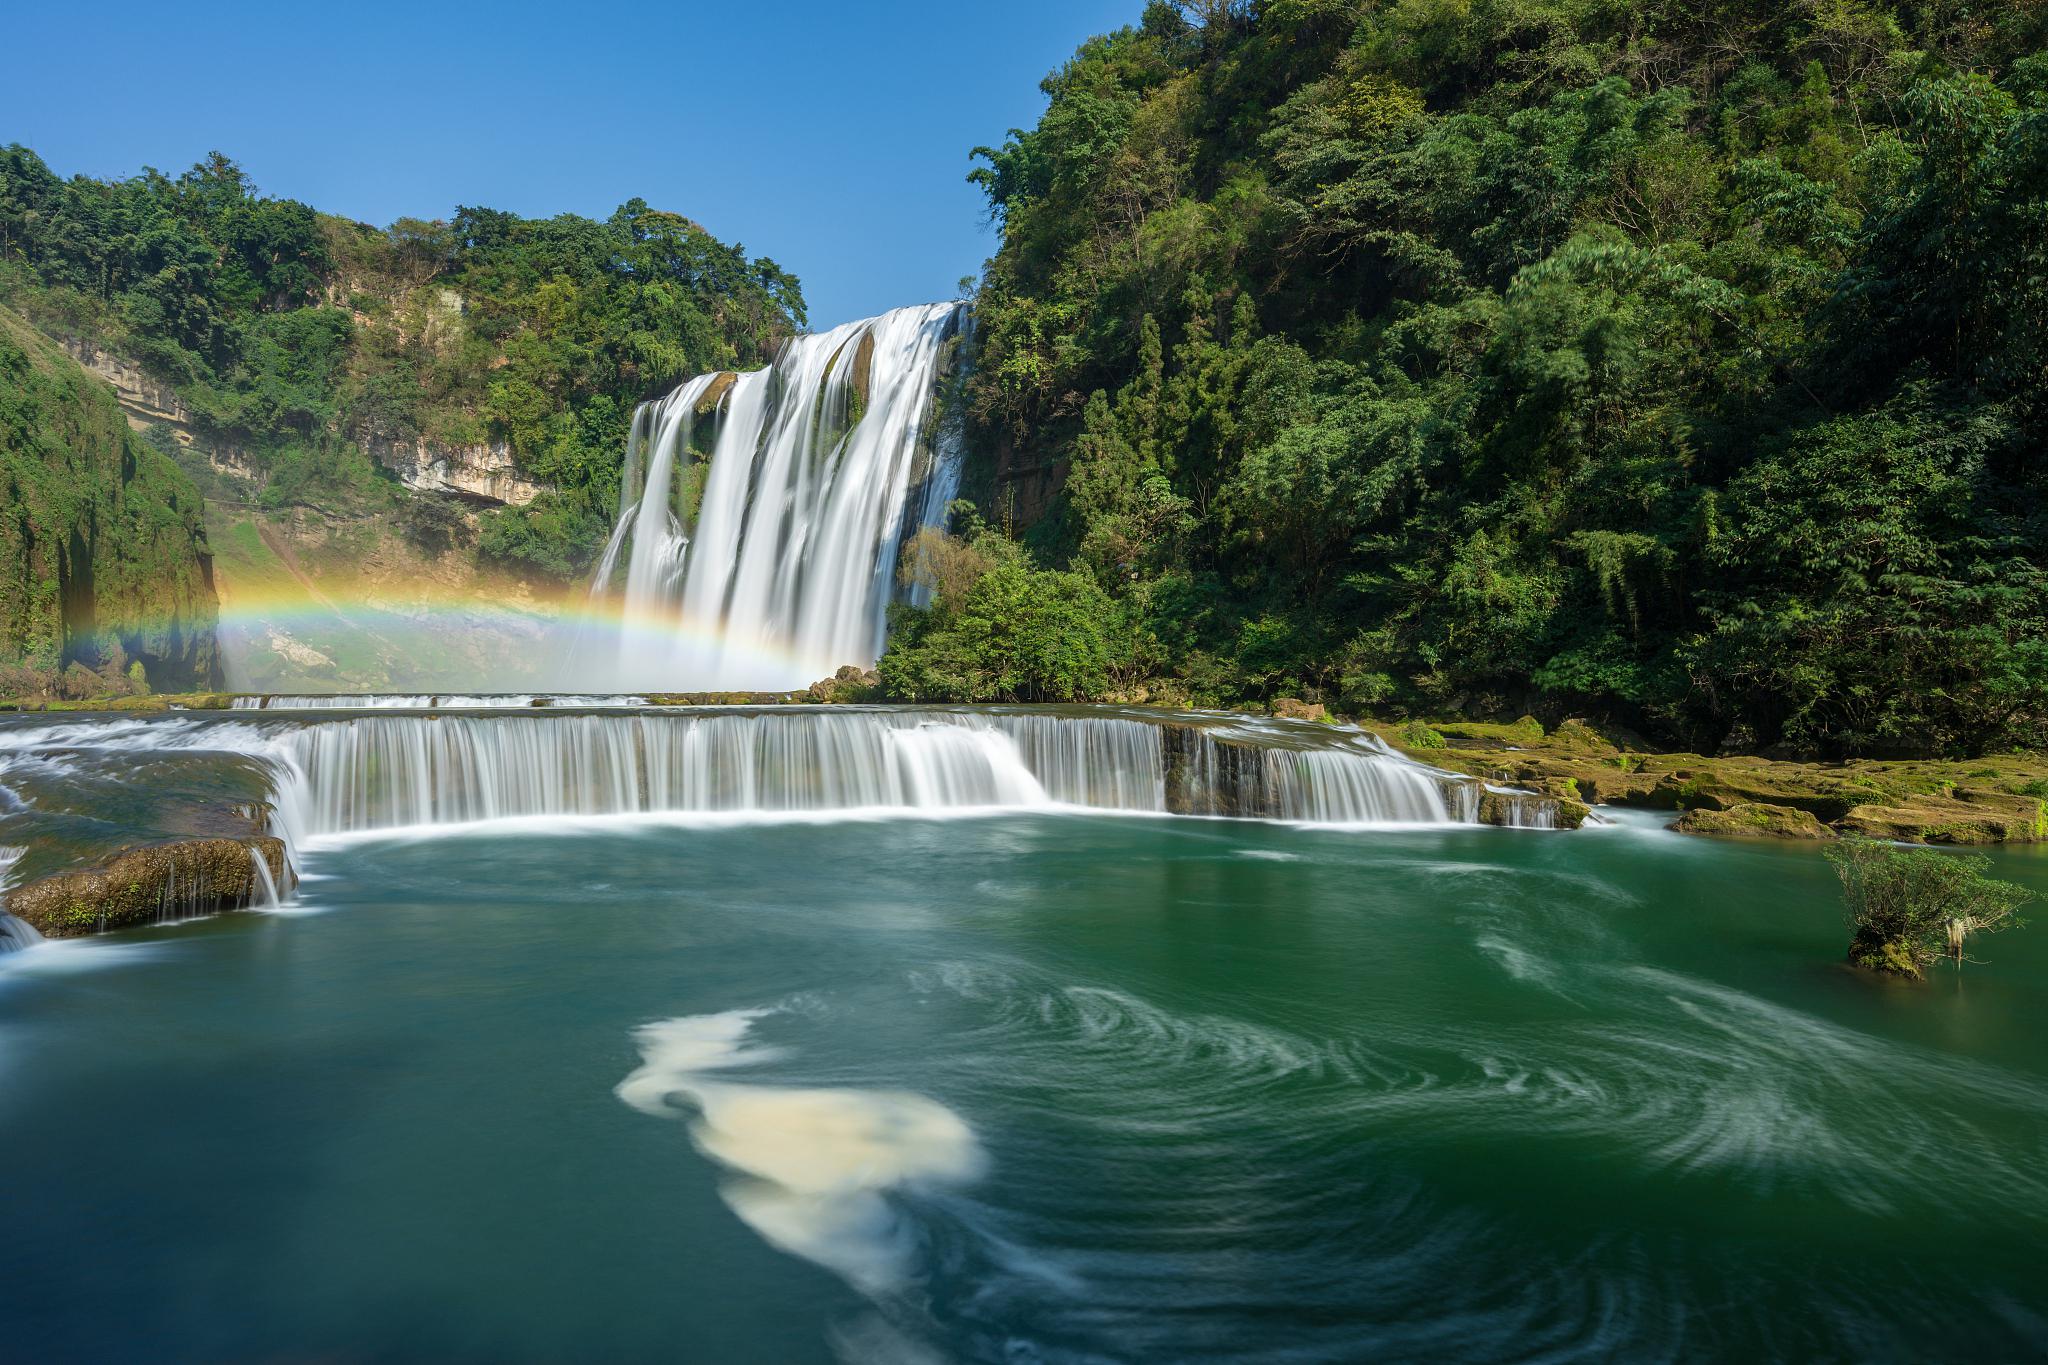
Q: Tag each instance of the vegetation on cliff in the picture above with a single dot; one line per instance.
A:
(105, 583)
(1675, 364)
(304, 342)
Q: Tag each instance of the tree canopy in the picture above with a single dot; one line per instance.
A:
(1681, 365)
(305, 339)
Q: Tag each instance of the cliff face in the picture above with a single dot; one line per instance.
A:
(103, 556)
(484, 473)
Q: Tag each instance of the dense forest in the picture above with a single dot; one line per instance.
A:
(1681, 365)
(301, 340)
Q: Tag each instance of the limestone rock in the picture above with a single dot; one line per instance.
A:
(1294, 708)
(1754, 820)
(850, 684)
(142, 885)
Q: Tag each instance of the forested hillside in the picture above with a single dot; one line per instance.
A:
(302, 345)
(1677, 364)
(105, 584)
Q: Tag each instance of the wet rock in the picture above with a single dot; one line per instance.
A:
(1294, 708)
(850, 684)
(159, 882)
(714, 393)
(1531, 810)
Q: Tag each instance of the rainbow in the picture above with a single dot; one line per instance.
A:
(552, 637)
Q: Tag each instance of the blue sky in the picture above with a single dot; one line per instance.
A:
(833, 137)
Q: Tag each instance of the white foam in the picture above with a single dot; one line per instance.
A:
(817, 1167)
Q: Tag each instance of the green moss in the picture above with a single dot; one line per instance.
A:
(1416, 735)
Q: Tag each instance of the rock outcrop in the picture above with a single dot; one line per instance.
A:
(483, 473)
(2002, 799)
(145, 401)
(850, 684)
(159, 882)
(1753, 820)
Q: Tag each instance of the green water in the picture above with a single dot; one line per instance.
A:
(1033, 1088)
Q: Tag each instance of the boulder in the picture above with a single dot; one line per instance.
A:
(1531, 810)
(1294, 708)
(850, 684)
(144, 885)
(1753, 820)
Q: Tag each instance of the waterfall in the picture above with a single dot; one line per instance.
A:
(1524, 810)
(393, 771)
(761, 514)
(264, 881)
(14, 934)
(1335, 786)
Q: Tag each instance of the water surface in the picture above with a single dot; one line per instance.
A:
(1030, 1087)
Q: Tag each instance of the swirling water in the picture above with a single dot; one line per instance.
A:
(1044, 1086)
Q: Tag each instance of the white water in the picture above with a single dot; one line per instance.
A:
(14, 934)
(385, 771)
(264, 881)
(1341, 786)
(784, 570)
(818, 1168)
(392, 771)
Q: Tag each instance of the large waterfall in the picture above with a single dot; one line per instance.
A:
(761, 514)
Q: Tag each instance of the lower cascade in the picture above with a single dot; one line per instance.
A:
(395, 771)
(14, 934)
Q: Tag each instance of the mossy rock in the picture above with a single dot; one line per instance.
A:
(1754, 821)
(1970, 817)
(146, 885)
(851, 684)
(1889, 958)
(1531, 810)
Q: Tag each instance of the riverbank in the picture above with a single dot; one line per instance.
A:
(2001, 799)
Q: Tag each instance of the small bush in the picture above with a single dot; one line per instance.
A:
(1416, 735)
(1909, 907)
(998, 629)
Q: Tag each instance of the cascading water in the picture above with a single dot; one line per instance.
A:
(761, 514)
(266, 883)
(1339, 786)
(392, 771)
(14, 934)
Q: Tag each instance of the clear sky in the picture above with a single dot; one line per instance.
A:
(830, 136)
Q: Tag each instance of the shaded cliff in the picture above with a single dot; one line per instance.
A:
(103, 557)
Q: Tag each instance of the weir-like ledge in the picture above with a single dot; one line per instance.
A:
(223, 797)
